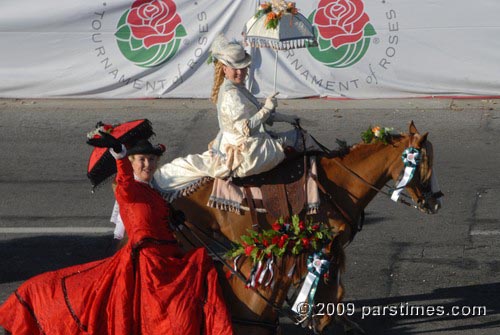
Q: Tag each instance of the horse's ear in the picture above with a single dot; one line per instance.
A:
(412, 129)
(422, 139)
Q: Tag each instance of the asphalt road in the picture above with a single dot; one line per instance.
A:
(49, 218)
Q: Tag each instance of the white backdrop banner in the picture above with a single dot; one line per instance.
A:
(158, 49)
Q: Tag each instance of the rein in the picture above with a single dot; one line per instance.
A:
(239, 275)
(351, 172)
(379, 190)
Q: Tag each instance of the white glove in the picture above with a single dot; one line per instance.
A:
(292, 119)
(271, 102)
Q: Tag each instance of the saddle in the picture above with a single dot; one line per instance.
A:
(283, 188)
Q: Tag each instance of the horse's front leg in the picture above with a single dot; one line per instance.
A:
(331, 292)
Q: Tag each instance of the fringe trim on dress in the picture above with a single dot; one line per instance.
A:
(184, 192)
(225, 205)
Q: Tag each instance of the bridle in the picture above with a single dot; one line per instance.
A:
(421, 200)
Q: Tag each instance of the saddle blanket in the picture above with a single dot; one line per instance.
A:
(229, 197)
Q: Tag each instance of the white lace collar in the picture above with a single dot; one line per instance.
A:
(142, 181)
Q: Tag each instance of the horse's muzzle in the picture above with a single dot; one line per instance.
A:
(431, 203)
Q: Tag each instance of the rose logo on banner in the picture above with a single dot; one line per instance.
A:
(150, 32)
(344, 32)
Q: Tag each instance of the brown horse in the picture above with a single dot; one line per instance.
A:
(349, 182)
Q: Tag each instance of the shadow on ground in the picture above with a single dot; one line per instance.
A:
(22, 258)
(464, 296)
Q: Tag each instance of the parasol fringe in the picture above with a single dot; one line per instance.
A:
(255, 42)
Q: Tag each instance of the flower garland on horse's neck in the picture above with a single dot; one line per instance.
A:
(287, 237)
(292, 237)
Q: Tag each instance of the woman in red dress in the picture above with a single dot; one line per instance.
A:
(148, 287)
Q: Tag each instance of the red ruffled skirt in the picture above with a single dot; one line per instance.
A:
(143, 289)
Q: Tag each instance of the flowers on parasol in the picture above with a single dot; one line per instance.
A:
(277, 24)
(274, 13)
(101, 164)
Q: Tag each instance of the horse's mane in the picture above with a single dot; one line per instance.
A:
(426, 161)
(344, 149)
(426, 155)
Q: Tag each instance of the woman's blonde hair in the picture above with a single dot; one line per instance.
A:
(218, 79)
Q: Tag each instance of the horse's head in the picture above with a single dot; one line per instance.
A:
(423, 187)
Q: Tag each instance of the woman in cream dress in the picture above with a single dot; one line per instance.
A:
(242, 147)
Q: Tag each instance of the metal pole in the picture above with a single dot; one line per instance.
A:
(275, 69)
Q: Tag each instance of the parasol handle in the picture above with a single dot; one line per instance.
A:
(274, 95)
(275, 69)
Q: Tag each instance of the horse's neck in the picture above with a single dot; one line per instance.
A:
(245, 303)
(364, 165)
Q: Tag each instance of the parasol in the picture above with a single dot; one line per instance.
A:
(278, 25)
(101, 164)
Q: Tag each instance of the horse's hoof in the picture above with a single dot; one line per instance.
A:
(351, 327)
(356, 330)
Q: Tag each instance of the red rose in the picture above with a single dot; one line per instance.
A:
(282, 241)
(248, 250)
(275, 240)
(315, 227)
(302, 226)
(153, 21)
(341, 21)
(305, 242)
(276, 226)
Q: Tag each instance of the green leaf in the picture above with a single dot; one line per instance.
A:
(254, 252)
(123, 33)
(180, 31)
(123, 19)
(238, 252)
(136, 44)
(369, 30)
(367, 136)
(247, 239)
(270, 249)
(296, 249)
(323, 44)
(295, 226)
